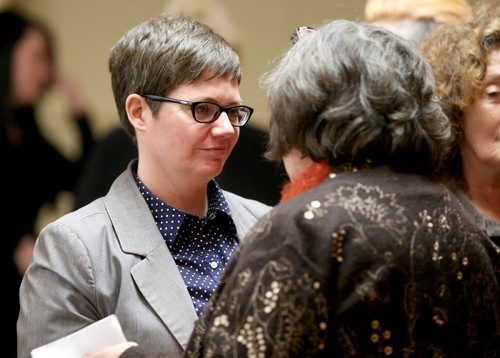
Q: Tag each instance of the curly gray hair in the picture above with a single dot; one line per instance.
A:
(352, 93)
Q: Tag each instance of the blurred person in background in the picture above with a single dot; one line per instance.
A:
(465, 58)
(414, 19)
(34, 171)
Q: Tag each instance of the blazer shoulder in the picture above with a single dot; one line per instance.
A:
(90, 210)
(237, 202)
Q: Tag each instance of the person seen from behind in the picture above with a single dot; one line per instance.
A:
(35, 171)
(369, 254)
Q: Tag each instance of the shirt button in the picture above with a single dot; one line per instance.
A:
(214, 264)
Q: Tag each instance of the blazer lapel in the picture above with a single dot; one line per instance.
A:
(164, 289)
(156, 276)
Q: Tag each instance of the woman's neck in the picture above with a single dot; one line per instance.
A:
(307, 179)
(485, 199)
(188, 197)
(483, 190)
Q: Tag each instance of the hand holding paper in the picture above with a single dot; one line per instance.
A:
(95, 337)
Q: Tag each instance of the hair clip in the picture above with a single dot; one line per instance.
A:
(300, 32)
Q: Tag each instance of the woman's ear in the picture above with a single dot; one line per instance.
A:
(136, 108)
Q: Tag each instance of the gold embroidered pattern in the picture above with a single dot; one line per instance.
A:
(388, 270)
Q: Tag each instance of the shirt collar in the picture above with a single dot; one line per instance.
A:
(216, 201)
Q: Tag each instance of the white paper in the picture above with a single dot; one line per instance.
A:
(94, 337)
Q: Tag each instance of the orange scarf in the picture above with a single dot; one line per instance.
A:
(309, 178)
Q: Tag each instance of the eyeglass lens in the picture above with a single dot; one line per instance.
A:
(208, 112)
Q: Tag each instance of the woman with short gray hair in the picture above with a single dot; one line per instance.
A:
(368, 254)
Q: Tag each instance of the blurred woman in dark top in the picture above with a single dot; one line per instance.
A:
(33, 170)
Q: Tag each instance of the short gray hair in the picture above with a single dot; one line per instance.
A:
(163, 53)
(353, 93)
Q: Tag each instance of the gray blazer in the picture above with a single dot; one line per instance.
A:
(109, 257)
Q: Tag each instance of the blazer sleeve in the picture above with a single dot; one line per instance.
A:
(57, 295)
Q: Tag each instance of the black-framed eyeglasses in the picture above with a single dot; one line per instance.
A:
(208, 112)
(300, 32)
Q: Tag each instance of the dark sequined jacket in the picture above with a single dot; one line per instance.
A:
(368, 263)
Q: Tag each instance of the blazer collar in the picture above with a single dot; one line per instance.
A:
(157, 275)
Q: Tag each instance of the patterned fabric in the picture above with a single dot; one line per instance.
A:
(368, 263)
(201, 247)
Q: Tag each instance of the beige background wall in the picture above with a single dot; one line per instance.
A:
(85, 31)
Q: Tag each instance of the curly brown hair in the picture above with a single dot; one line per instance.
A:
(458, 54)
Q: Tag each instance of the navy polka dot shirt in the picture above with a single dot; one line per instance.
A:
(201, 247)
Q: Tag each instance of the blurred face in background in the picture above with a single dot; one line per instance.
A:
(31, 68)
(481, 144)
